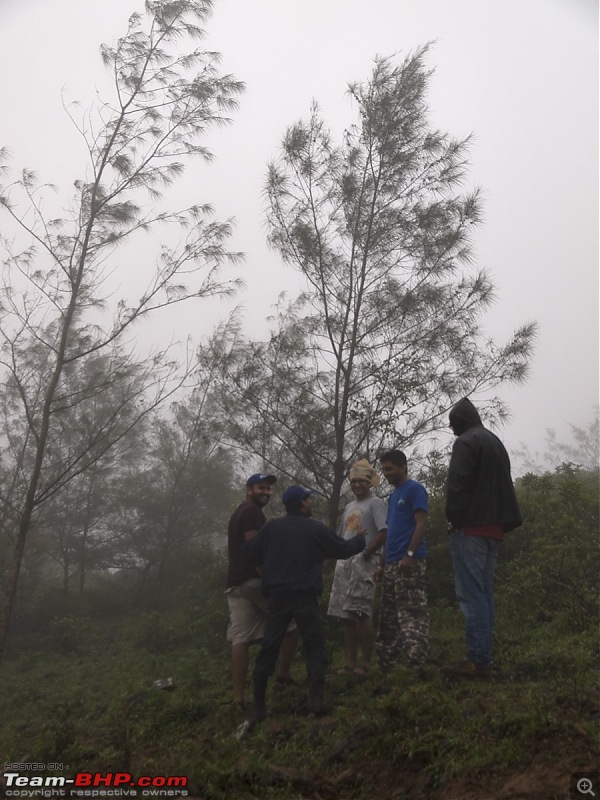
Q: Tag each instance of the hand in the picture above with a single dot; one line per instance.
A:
(378, 574)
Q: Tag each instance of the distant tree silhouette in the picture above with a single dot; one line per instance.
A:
(55, 315)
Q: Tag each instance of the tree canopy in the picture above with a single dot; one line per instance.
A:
(388, 333)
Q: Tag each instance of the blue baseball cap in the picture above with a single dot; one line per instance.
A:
(294, 495)
(260, 477)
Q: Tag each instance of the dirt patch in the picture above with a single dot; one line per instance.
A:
(543, 779)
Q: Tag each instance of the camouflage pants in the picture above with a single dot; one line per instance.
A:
(404, 618)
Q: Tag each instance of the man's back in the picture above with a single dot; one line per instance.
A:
(291, 550)
(480, 489)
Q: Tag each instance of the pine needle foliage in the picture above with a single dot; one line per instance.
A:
(65, 353)
(388, 333)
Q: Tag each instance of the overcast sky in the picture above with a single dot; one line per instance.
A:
(522, 75)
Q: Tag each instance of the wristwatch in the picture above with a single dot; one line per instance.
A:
(410, 553)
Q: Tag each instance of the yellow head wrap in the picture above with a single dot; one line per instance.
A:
(364, 471)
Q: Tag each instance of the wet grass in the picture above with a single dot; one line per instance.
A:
(83, 696)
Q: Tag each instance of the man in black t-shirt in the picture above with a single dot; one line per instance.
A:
(247, 607)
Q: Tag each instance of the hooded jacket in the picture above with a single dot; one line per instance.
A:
(479, 489)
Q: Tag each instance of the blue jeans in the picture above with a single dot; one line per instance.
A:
(474, 561)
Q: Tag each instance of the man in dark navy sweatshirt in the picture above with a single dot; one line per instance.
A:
(291, 551)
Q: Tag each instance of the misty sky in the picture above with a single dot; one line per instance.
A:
(522, 75)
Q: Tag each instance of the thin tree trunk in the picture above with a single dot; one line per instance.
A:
(85, 531)
(10, 595)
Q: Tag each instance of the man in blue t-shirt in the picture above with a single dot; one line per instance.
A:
(404, 618)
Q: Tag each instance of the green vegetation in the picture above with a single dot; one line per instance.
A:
(79, 691)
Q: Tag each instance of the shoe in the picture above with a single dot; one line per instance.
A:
(308, 707)
(320, 710)
(243, 729)
(419, 671)
(313, 710)
(286, 682)
(467, 669)
(381, 690)
(248, 724)
(360, 672)
(258, 715)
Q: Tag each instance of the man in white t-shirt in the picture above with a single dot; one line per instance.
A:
(353, 586)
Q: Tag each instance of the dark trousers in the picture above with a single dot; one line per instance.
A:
(305, 612)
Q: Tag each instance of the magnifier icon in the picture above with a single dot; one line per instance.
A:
(585, 786)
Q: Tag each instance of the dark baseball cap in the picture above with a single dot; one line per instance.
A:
(260, 477)
(295, 494)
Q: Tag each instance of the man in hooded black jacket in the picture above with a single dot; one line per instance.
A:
(481, 506)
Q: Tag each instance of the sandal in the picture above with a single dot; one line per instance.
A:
(360, 671)
(284, 682)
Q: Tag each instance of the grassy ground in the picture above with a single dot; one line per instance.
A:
(82, 696)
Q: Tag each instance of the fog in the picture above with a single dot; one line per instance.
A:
(523, 77)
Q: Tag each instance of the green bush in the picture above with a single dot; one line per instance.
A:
(551, 565)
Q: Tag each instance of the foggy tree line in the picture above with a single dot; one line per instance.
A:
(164, 490)
(113, 457)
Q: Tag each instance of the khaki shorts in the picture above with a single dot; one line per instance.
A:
(247, 613)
